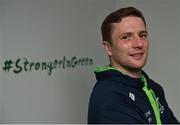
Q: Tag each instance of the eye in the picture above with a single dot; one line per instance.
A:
(126, 37)
(143, 35)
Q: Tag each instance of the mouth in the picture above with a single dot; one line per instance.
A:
(137, 55)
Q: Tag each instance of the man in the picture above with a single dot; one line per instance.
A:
(123, 92)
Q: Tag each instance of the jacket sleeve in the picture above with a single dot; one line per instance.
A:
(168, 117)
(172, 118)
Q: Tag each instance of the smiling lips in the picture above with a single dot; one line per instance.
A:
(137, 55)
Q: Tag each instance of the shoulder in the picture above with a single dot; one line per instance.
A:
(156, 87)
(108, 92)
(154, 84)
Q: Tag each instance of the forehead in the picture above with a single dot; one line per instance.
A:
(129, 24)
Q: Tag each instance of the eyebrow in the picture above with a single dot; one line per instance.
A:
(145, 31)
(130, 33)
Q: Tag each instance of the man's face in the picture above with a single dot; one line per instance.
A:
(129, 48)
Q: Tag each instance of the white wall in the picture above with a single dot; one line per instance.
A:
(163, 23)
(42, 31)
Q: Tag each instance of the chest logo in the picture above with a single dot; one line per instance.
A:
(132, 96)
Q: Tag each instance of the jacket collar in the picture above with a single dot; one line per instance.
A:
(110, 73)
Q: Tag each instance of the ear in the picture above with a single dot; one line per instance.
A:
(108, 48)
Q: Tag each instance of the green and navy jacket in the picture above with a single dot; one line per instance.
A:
(119, 98)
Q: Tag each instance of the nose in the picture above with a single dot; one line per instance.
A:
(137, 42)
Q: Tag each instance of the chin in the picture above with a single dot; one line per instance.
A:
(139, 65)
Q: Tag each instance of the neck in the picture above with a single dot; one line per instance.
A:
(134, 73)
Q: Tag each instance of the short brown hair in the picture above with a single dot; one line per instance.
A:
(116, 17)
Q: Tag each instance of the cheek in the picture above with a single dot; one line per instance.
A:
(120, 49)
(146, 47)
(146, 44)
(116, 50)
(119, 52)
